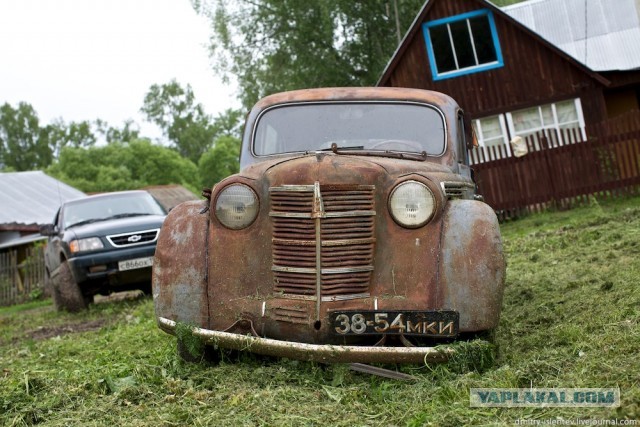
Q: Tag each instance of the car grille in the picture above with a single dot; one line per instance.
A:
(133, 238)
(323, 242)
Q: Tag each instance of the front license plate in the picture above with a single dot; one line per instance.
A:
(423, 323)
(132, 264)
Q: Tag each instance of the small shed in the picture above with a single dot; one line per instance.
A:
(27, 201)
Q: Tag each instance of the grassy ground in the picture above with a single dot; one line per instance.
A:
(570, 319)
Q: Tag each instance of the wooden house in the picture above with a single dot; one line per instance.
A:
(537, 66)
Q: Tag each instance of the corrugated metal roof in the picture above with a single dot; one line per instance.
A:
(32, 197)
(604, 35)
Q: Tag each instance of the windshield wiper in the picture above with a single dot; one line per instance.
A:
(335, 147)
(126, 215)
(85, 222)
(359, 151)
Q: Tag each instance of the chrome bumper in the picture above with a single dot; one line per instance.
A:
(316, 352)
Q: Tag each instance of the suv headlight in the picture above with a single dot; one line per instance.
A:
(236, 206)
(83, 245)
(412, 204)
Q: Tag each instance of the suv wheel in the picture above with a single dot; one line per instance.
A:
(65, 291)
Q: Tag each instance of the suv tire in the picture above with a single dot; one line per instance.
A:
(65, 291)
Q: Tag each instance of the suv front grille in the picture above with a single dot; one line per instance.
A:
(133, 238)
(323, 242)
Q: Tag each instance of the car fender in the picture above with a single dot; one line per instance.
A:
(179, 278)
(472, 268)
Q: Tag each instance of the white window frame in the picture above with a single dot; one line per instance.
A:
(554, 126)
(503, 128)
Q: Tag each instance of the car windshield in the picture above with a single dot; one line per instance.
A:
(371, 126)
(96, 209)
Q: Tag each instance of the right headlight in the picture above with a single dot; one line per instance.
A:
(236, 206)
(412, 204)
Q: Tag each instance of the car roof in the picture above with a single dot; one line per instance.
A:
(105, 196)
(359, 93)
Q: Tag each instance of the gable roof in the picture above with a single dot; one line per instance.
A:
(29, 199)
(605, 36)
(422, 15)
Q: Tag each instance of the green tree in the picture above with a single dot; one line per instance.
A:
(276, 45)
(124, 166)
(60, 134)
(174, 109)
(23, 145)
(220, 161)
(128, 132)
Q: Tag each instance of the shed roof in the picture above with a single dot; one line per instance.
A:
(604, 35)
(31, 198)
(169, 196)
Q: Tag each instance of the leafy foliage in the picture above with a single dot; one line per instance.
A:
(124, 166)
(183, 121)
(276, 45)
(220, 161)
(26, 145)
(128, 132)
(23, 144)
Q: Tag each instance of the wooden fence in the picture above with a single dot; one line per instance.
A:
(21, 274)
(560, 168)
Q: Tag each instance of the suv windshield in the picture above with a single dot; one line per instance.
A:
(373, 126)
(89, 210)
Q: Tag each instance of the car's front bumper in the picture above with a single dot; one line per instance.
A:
(81, 265)
(315, 352)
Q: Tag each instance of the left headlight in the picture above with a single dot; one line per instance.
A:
(236, 206)
(83, 245)
(412, 204)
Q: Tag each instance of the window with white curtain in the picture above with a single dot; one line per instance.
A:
(544, 118)
(548, 118)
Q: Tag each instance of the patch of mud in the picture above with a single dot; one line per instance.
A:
(45, 332)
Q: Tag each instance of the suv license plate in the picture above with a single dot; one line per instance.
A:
(442, 323)
(132, 264)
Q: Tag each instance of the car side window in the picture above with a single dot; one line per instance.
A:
(463, 154)
(57, 220)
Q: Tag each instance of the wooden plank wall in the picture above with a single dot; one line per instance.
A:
(560, 170)
(21, 274)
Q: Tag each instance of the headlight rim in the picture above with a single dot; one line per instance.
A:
(214, 205)
(437, 202)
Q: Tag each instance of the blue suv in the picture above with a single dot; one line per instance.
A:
(101, 244)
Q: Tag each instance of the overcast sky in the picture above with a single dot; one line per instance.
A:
(89, 59)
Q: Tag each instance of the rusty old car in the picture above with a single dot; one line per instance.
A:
(352, 233)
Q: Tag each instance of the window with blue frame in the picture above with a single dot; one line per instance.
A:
(462, 44)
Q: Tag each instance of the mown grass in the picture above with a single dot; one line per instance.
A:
(570, 319)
